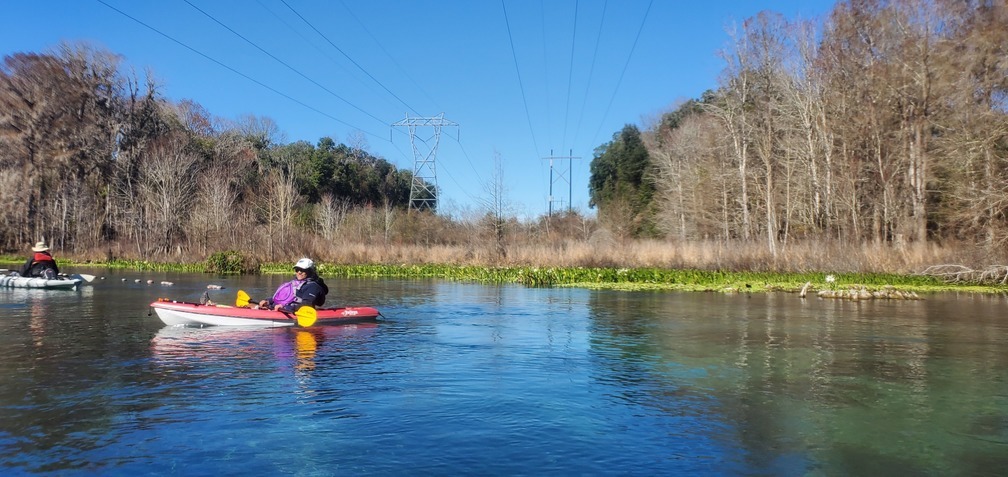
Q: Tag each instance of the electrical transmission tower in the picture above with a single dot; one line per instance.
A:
(423, 191)
(561, 175)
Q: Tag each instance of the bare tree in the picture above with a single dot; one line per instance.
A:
(195, 118)
(214, 211)
(973, 129)
(32, 110)
(497, 208)
(750, 111)
(918, 24)
(331, 215)
(55, 132)
(280, 200)
(691, 182)
(167, 187)
(389, 214)
(767, 49)
(733, 111)
(813, 139)
(262, 131)
(358, 143)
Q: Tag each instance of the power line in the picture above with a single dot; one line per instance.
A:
(239, 73)
(625, 65)
(518, 71)
(389, 55)
(546, 76)
(282, 62)
(297, 31)
(460, 187)
(348, 57)
(570, 76)
(591, 71)
(466, 154)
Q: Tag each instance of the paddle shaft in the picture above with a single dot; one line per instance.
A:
(243, 299)
(305, 315)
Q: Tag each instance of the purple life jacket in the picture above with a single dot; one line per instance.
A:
(287, 292)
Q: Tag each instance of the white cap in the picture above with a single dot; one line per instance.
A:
(305, 264)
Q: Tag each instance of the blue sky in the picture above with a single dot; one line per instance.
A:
(549, 77)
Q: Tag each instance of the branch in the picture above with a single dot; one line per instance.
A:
(960, 273)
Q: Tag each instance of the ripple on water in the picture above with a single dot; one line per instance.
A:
(462, 378)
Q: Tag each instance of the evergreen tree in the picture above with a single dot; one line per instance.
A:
(619, 180)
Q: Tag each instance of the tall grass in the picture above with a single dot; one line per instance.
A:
(631, 265)
(570, 250)
(795, 258)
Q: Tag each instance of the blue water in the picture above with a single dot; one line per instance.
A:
(503, 380)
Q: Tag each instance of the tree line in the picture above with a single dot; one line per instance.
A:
(886, 123)
(90, 156)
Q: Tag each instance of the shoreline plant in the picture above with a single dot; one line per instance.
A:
(627, 279)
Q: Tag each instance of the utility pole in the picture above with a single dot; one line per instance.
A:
(423, 191)
(559, 174)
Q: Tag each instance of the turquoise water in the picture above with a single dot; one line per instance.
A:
(486, 380)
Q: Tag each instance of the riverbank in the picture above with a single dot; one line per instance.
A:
(837, 285)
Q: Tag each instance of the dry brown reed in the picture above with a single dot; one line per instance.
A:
(395, 238)
(800, 257)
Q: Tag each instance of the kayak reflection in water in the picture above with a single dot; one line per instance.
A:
(306, 289)
(306, 343)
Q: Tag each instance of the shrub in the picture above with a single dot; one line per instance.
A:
(231, 262)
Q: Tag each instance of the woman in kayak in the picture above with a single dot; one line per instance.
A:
(306, 289)
(41, 263)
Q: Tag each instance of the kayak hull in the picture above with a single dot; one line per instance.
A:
(32, 282)
(176, 313)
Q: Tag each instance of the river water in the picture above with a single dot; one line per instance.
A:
(460, 378)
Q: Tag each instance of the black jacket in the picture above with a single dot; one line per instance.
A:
(38, 263)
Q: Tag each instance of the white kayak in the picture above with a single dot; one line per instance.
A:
(65, 283)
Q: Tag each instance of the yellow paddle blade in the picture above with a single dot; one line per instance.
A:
(242, 300)
(306, 316)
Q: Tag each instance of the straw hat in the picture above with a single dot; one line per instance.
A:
(40, 247)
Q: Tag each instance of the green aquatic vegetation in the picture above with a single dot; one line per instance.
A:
(582, 277)
(642, 278)
(121, 264)
(144, 265)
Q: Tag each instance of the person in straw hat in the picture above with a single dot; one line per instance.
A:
(41, 263)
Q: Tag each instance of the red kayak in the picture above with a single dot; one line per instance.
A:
(193, 314)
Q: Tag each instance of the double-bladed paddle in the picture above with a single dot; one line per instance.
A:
(306, 315)
(243, 299)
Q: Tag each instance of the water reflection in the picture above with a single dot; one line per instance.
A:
(864, 386)
(505, 380)
(306, 345)
(284, 347)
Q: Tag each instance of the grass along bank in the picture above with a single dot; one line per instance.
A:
(645, 278)
(657, 279)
